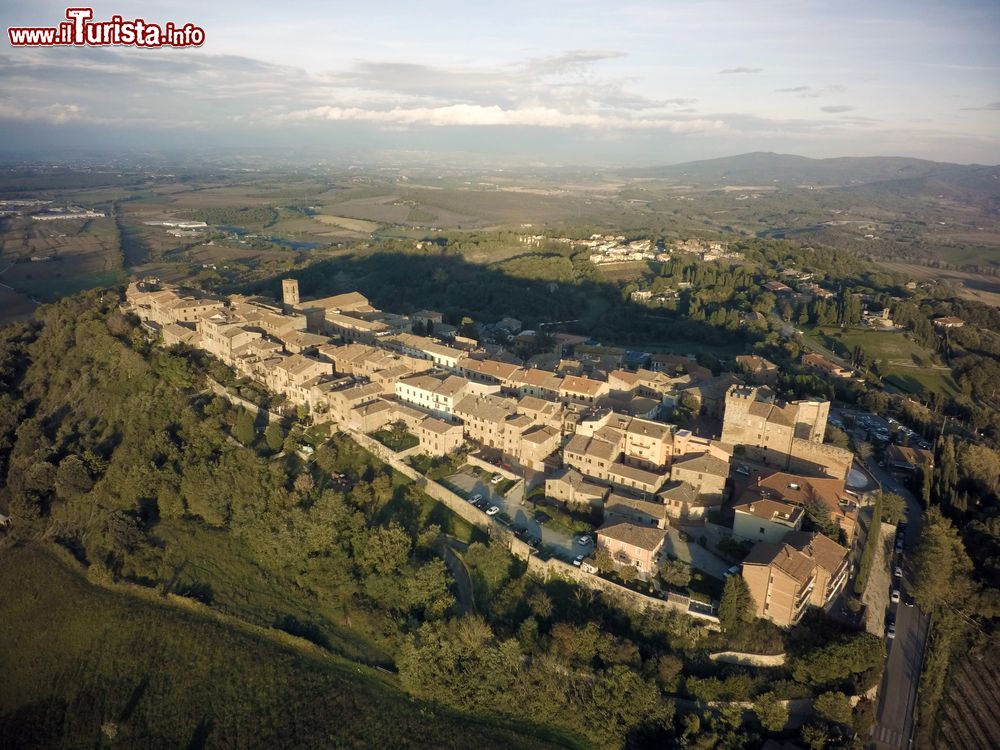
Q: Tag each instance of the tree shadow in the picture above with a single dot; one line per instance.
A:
(134, 699)
(201, 734)
(404, 282)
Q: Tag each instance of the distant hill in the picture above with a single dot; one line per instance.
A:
(763, 168)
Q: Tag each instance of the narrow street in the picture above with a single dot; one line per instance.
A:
(896, 711)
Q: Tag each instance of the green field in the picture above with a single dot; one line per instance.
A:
(84, 666)
(901, 360)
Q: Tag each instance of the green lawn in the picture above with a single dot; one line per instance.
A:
(901, 361)
(396, 440)
(82, 665)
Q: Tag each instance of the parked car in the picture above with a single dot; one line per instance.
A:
(908, 600)
(899, 544)
(585, 539)
(890, 632)
(743, 469)
(578, 560)
(733, 571)
(898, 571)
(492, 510)
(475, 498)
(895, 596)
(496, 479)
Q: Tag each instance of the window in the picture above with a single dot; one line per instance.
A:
(762, 530)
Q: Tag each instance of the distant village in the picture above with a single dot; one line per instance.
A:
(586, 425)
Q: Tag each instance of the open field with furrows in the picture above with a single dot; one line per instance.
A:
(89, 666)
(901, 361)
(345, 222)
(971, 285)
(969, 718)
(623, 272)
(78, 254)
(396, 208)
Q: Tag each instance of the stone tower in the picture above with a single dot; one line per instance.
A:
(736, 418)
(290, 292)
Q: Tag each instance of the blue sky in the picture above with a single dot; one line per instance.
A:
(557, 82)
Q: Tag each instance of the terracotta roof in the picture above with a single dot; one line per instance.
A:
(912, 456)
(799, 490)
(798, 566)
(338, 301)
(489, 408)
(771, 510)
(438, 426)
(703, 463)
(680, 491)
(756, 363)
(540, 434)
(499, 370)
(827, 553)
(647, 427)
(541, 379)
(643, 537)
(583, 386)
(635, 473)
(654, 508)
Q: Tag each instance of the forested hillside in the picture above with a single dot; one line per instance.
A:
(117, 457)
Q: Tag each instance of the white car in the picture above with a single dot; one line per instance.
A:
(496, 479)
(578, 560)
(585, 539)
(898, 571)
(492, 510)
(890, 632)
(895, 596)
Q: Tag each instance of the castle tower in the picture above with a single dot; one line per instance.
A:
(736, 417)
(290, 292)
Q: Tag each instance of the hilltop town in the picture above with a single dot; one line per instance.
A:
(591, 434)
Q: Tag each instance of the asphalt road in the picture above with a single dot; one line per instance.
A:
(895, 714)
(522, 516)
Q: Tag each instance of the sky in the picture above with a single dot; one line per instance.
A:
(542, 82)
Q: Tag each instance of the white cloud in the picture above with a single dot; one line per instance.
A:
(476, 115)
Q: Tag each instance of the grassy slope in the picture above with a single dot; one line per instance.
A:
(76, 656)
(901, 360)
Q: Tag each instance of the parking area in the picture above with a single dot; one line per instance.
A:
(875, 428)
(685, 547)
(520, 516)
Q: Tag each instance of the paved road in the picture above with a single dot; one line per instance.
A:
(521, 514)
(895, 715)
(465, 595)
(693, 553)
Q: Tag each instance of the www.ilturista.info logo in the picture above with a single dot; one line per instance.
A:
(80, 31)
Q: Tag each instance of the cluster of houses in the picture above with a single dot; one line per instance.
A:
(590, 434)
(704, 249)
(614, 249)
